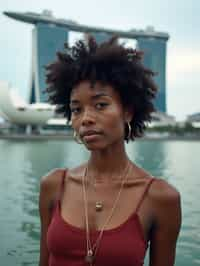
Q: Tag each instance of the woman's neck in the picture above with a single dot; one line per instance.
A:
(108, 164)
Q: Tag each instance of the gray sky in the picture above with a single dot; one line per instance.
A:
(179, 18)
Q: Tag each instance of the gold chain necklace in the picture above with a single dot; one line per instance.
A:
(92, 250)
(98, 203)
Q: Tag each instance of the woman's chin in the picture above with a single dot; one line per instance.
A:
(92, 146)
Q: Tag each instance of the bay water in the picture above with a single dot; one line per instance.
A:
(22, 163)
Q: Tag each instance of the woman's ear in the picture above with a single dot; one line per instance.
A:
(128, 115)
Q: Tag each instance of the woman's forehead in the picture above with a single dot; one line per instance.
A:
(85, 88)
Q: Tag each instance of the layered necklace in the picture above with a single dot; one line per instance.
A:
(92, 249)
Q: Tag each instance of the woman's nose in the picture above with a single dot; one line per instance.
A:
(88, 118)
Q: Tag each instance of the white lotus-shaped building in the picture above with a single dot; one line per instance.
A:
(14, 109)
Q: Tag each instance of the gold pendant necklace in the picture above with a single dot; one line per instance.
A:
(89, 258)
(98, 203)
(98, 206)
(92, 249)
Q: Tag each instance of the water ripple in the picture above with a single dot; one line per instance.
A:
(176, 162)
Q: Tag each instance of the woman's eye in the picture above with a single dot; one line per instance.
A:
(101, 105)
(75, 110)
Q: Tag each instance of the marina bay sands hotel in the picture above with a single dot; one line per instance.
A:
(49, 35)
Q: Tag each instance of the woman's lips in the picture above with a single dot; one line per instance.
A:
(91, 137)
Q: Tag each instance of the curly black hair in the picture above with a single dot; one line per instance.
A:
(110, 63)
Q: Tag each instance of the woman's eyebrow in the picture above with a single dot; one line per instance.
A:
(94, 97)
(98, 95)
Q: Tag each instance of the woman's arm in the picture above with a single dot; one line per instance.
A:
(167, 224)
(48, 188)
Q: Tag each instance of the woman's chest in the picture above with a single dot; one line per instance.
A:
(99, 205)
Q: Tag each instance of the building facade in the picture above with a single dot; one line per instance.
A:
(50, 33)
(47, 40)
(155, 58)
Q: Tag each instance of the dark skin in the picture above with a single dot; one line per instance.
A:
(100, 109)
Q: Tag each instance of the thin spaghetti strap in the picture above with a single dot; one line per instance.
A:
(144, 193)
(59, 194)
(63, 178)
(62, 184)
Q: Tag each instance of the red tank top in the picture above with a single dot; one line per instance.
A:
(123, 245)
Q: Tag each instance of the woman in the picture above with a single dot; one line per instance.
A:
(107, 210)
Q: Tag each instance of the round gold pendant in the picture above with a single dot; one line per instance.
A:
(99, 206)
(89, 257)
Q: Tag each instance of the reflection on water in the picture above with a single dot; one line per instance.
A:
(150, 154)
(23, 163)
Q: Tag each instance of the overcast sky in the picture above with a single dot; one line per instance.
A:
(179, 18)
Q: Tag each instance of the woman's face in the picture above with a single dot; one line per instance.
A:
(97, 115)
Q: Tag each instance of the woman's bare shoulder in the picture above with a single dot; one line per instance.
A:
(51, 180)
(53, 177)
(166, 200)
(162, 191)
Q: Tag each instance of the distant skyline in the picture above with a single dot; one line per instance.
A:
(180, 19)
